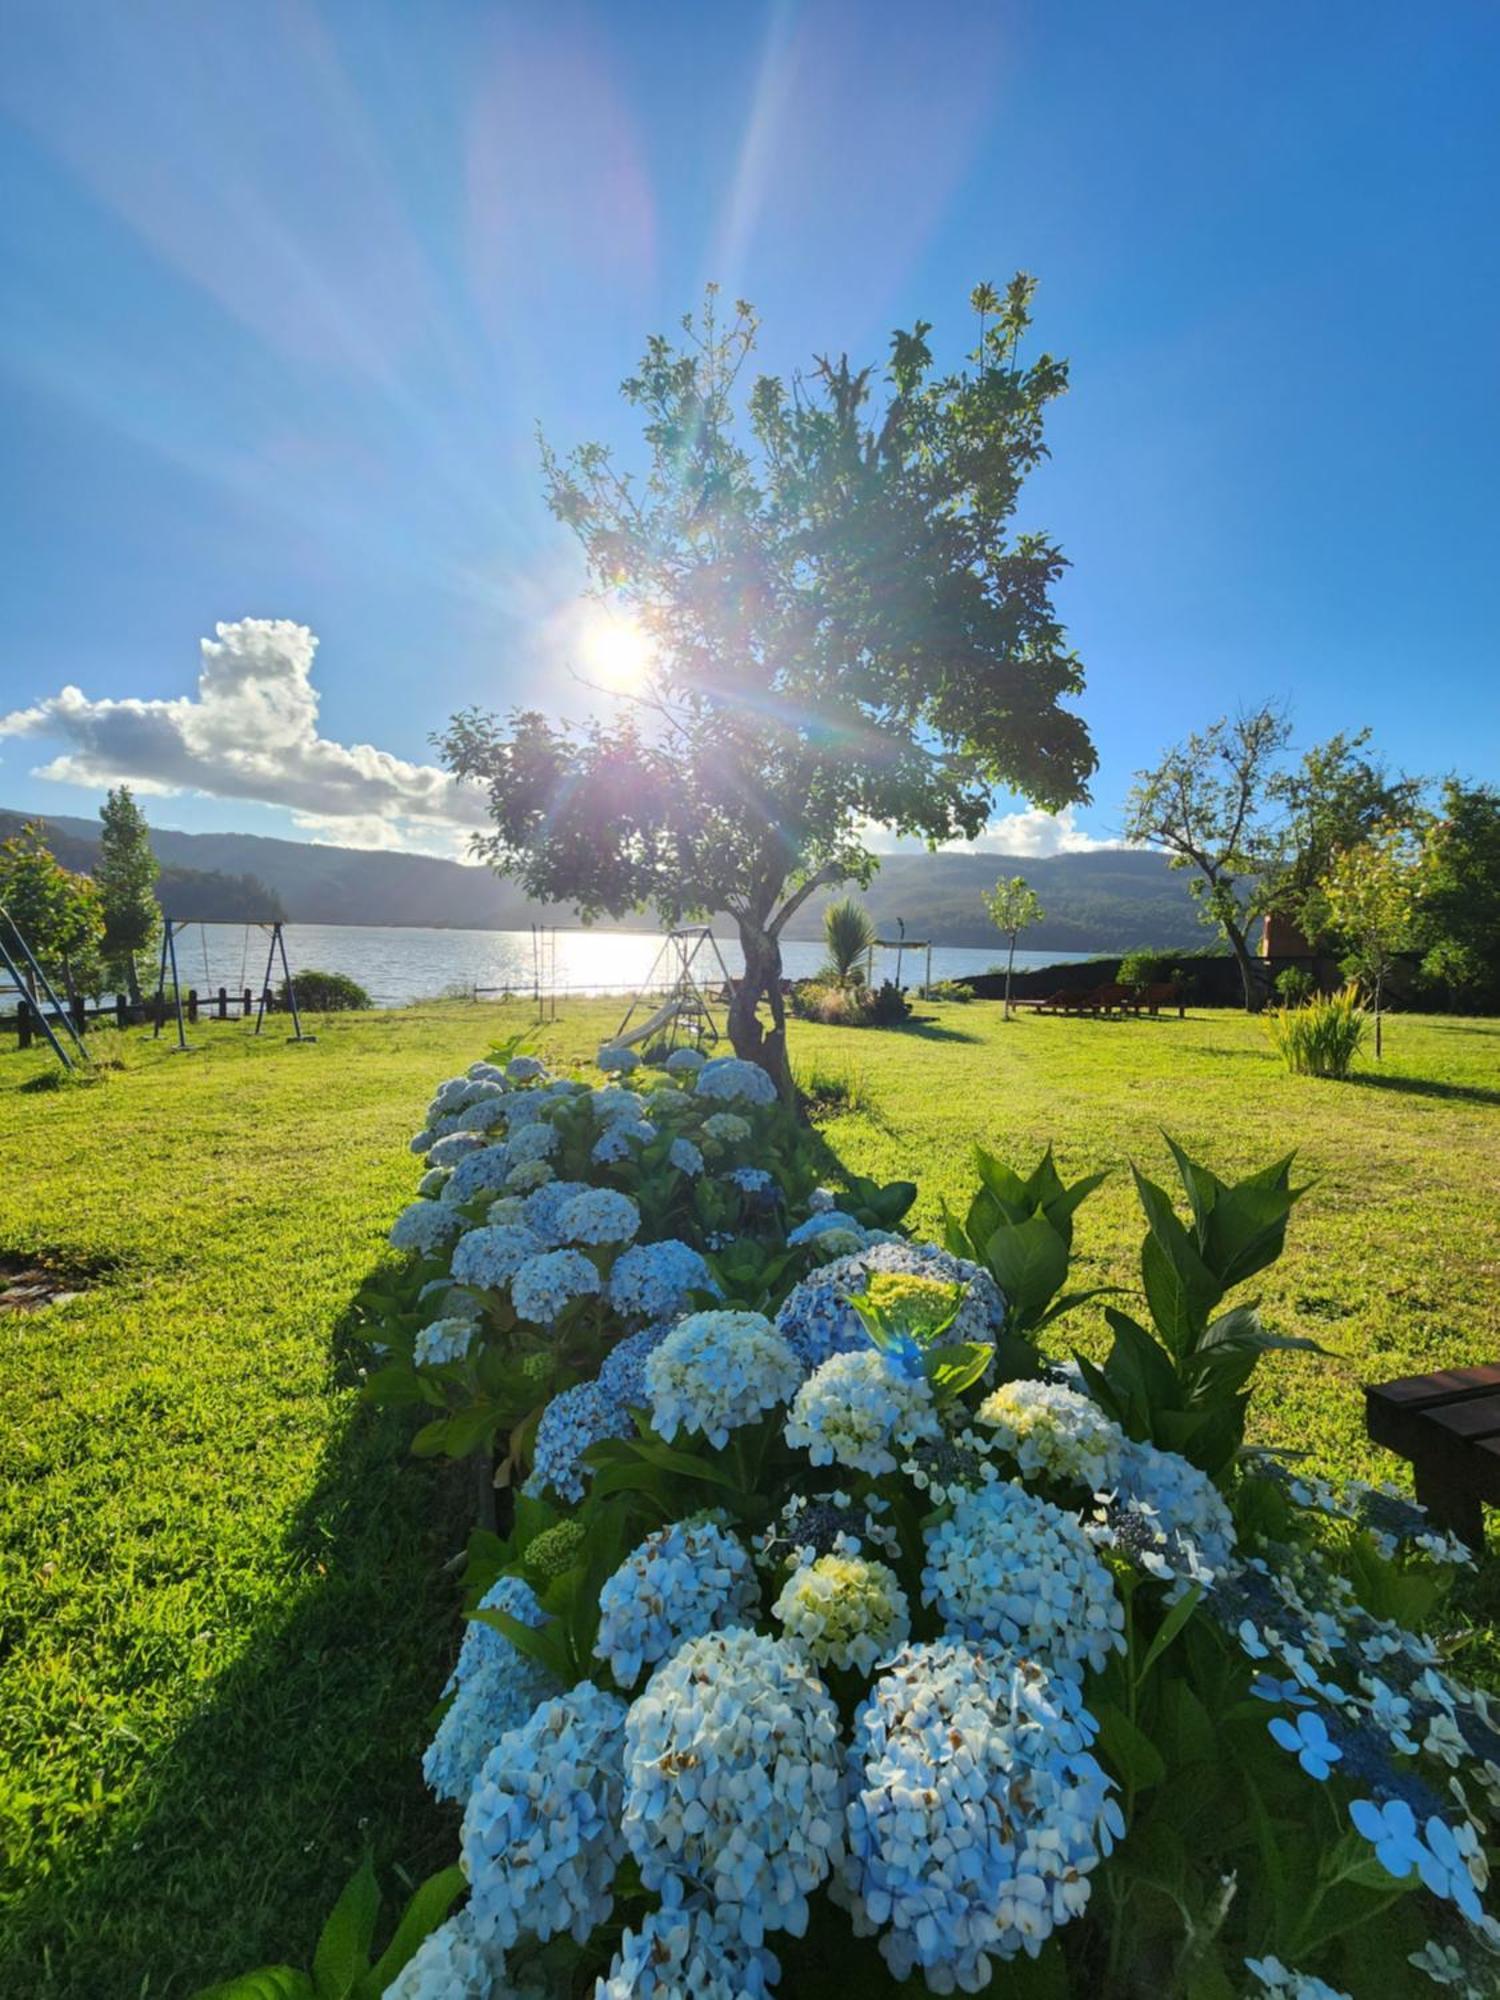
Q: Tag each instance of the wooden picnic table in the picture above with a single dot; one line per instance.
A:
(1447, 1425)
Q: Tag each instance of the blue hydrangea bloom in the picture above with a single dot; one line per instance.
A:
(524, 1069)
(728, 1080)
(685, 1062)
(541, 1835)
(817, 1319)
(603, 1215)
(685, 1157)
(571, 1422)
(716, 1371)
(622, 1372)
(650, 1280)
(616, 1060)
(683, 1952)
(494, 1686)
(491, 1256)
(426, 1226)
(818, 1223)
(452, 1963)
(544, 1209)
(734, 1779)
(976, 1813)
(545, 1286)
(449, 1151)
(443, 1340)
(481, 1172)
(684, 1580)
(617, 1142)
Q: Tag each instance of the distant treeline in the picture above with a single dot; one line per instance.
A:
(185, 893)
(1110, 900)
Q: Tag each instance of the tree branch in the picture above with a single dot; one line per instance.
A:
(825, 878)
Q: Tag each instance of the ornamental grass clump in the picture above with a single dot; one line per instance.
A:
(1322, 1036)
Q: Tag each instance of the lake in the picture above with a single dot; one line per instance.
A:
(398, 965)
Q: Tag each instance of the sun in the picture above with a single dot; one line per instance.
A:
(614, 649)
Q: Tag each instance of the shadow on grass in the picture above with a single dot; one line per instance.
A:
(928, 1030)
(306, 1750)
(1426, 1086)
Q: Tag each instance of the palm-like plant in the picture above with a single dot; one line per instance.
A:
(848, 933)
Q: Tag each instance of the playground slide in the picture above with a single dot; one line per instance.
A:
(649, 1028)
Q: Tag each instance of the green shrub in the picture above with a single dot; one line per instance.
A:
(950, 989)
(848, 933)
(832, 1090)
(1295, 985)
(889, 1006)
(324, 993)
(1145, 968)
(1321, 1038)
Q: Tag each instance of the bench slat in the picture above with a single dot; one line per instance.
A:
(1442, 1386)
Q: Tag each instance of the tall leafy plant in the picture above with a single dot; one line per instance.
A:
(1182, 1381)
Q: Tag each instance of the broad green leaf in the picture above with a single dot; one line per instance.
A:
(1062, 1208)
(429, 1906)
(537, 1642)
(1070, 1302)
(1170, 1626)
(267, 1982)
(1201, 1187)
(1043, 1184)
(342, 1953)
(1030, 1263)
(1007, 1187)
(954, 1369)
(1140, 1358)
(1127, 1748)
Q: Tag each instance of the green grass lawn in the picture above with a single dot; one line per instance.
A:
(223, 1617)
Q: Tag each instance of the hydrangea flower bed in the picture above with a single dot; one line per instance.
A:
(829, 1644)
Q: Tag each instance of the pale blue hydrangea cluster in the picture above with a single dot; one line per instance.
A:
(480, 1172)
(716, 1371)
(622, 1372)
(1391, 1518)
(687, 1579)
(855, 1408)
(525, 1069)
(682, 1952)
(1009, 1566)
(448, 1152)
(685, 1062)
(1178, 1523)
(685, 1157)
(754, 1183)
(538, 1141)
(544, 1210)
(620, 1141)
(432, 1183)
(734, 1780)
(442, 1341)
(527, 1176)
(617, 1061)
(1053, 1433)
(426, 1227)
(726, 1128)
(491, 1255)
(729, 1080)
(819, 1223)
(603, 1215)
(977, 1812)
(544, 1287)
(571, 1422)
(494, 1686)
(817, 1319)
(482, 1117)
(844, 1611)
(1275, 1981)
(453, 1963)
(828, 1524)
(541, 1834)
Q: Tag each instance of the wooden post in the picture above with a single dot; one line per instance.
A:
(122, 1011)
(23, 1022)
(80, 1014)
(247, 1001)
(192, 1003)
(223, 1004)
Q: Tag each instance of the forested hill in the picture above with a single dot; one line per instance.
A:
(1104, 901)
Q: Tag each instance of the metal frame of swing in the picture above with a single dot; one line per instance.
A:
(686, 999)
(28, 993)
(172, 928)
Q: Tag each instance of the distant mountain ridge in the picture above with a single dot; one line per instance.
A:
(1109, 899)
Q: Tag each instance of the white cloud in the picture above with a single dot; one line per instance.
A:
(1031, 833)
(251, 732)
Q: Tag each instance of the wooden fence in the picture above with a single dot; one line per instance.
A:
(222, 1005)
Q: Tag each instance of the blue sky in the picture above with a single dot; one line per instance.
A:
(287, 289)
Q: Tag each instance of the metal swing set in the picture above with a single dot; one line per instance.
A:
(684, 1017)
(172, 930)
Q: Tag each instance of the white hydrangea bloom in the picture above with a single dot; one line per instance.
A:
(730, 1080)
(855, 1407)
(443, 1341)
(1054, 1433)
(716, 1371)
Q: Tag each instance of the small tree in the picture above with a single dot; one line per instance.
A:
(846, 632)
(1204, 803)
(848, 934)
(1371, 892)
(1460, 911)
(126, 876)
(1013, 908)
(1333, 799)
(57, 913)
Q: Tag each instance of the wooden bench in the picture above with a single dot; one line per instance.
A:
(1448, 1425)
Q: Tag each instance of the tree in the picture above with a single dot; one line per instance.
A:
(1334, 800)
(845, 633)
(126, 877)
(1012, 907)
(1205, 803)
(1371, 892)
(1460, 909)
(57, 914)
(848, 934)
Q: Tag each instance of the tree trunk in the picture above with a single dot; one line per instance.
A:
(1010, 961)
(1377, 1016)
(752, 1040)
(132, 980)
(1255, 993)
